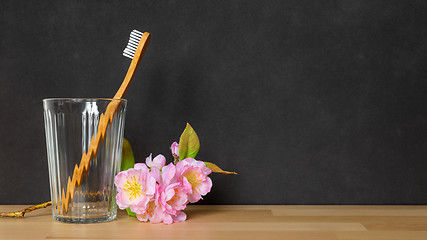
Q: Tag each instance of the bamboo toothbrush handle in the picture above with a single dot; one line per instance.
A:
(142, 46)
(105, 119)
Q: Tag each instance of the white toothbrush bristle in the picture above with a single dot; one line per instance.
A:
(130, 49)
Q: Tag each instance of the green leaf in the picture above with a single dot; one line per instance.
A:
(130, 213)
(128, 160)
(217, 169)
(189, 144)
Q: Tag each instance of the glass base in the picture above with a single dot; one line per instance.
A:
(83, 220)
(87, 212)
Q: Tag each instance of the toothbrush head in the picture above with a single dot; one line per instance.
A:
(135, 37)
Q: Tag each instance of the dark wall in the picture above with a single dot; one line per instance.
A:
(312, 102)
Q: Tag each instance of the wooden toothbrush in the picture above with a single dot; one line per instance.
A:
(135, 49)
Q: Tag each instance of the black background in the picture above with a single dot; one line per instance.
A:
(311, 102)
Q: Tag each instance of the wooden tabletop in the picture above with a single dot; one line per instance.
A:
(237, 222)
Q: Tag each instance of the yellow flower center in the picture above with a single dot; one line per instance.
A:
(133, 187)
(193, 178)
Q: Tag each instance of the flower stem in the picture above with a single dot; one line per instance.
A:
(175, 158)
(22, 212)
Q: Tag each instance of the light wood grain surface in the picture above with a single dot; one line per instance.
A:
(237, 222)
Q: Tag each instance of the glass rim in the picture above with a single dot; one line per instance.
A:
(83, 99)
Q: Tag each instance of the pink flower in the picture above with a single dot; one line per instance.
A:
(159, 193)
(173, 198)
(175, 149)
(156, 214)
(151, 213)
(194, 176)
(172, 195)
(136, 187)
(158, 162)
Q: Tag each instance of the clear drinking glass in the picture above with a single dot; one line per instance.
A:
(69, 125)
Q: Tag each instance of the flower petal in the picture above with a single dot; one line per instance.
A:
(120, 179)
(123, 200)
(167, 219)
(159, 161)
(155, 172)
(169, 192)
(194, 197)
(142, 217)
(168, 172)
(150, 188)
(186, 185)
(175, 149)
(148, 161)
(141, 206)
(142, 167)
(180, 217)
(119, 201)
(205, 187)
